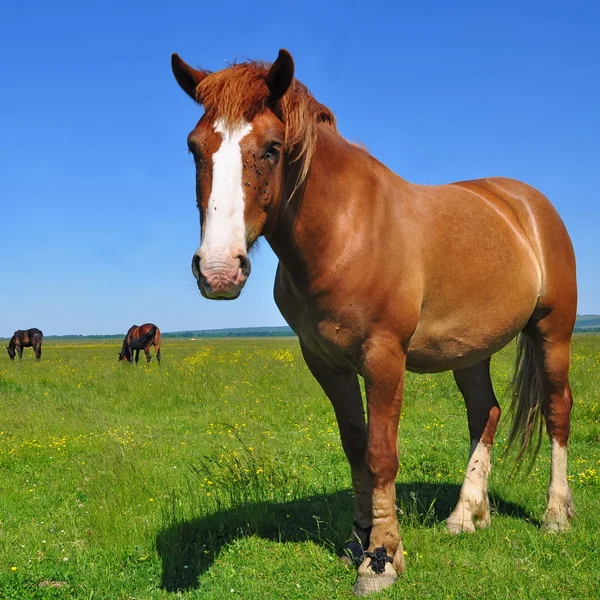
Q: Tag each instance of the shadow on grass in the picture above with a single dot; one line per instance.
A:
(188, 548)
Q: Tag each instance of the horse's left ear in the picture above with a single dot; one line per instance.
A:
(281, 75)
(187, 77)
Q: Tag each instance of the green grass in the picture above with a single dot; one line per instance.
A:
(220, 474)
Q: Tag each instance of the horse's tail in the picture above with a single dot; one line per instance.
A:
(157, 344)
(527, 399)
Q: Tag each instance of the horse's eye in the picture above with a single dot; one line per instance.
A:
(272, 152)
(193, 150)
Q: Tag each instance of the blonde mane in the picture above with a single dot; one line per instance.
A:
(240, 92)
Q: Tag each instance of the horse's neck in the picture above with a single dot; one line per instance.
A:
(313, 219)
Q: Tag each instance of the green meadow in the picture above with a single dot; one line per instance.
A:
(220, 474)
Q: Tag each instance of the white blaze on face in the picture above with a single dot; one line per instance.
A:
(225, 229)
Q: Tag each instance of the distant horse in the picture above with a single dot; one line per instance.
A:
(25, 338)
(378, 276)
(140, 337)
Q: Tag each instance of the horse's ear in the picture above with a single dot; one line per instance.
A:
(281, 75)
(187, 77)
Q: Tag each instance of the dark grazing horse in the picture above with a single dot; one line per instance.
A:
(140, 337)
(25, 338)
(378, 276)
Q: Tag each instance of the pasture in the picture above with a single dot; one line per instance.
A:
(220, 474)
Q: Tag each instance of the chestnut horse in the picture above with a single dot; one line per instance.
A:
(138, 337)
(25, 338)
(378, 276)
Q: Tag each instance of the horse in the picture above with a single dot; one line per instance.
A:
(25, 338)
(378, 276)
(138, 337)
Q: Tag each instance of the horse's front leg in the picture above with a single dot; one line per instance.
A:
(343, 391)
(20, 352)
(384, 369)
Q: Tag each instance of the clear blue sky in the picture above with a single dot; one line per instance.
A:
(97, 190)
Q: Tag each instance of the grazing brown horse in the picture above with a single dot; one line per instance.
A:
(25, 338)
(378, 276)
(138, 337)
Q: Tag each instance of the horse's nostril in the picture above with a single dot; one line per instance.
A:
(244, 264)
(196, 265)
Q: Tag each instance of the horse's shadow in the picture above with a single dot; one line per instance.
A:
(188, 548)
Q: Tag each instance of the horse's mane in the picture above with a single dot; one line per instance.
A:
(240, 92)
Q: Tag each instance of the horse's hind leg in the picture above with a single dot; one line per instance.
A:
(556, 408)
(147, 353)
(158, 354)
(483, 413)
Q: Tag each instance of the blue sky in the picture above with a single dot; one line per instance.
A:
(97, 202)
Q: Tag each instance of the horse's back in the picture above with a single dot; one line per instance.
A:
(535, 215)
(493, 252)
(142, 333)
(530, 210)
(147, 328)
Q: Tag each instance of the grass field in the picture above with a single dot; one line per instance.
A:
(220, 474)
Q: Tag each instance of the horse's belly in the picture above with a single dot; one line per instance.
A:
(450, 354)
(455, 344)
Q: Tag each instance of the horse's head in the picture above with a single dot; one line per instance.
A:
(237, 146)
(126, 354)
(11, 352)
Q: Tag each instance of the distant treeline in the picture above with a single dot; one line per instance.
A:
(198, 333)
(235, 332)
(85, 337)
(587, 324)
(584, 324)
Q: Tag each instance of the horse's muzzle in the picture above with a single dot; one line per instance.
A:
(220, 276)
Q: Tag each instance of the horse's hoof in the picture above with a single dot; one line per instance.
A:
(353, 554)
(457, 527)
(465, 519)
(554, 522)
(558, 518)
(379, 570)
(369, 582)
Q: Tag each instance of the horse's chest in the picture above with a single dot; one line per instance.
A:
(333, 342)
(323, 335)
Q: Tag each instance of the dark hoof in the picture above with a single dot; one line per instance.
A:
(353, 554)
